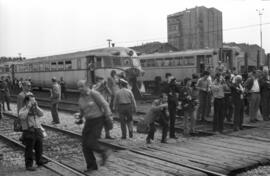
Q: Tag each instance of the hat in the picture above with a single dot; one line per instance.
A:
(26, 83)
(122, 81)
(54, 78)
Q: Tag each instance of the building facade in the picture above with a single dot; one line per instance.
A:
(196, 28)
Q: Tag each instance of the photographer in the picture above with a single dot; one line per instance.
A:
(218, 87)
(29, 115)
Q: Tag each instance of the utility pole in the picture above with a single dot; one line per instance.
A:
(260, 13)
(109, 42)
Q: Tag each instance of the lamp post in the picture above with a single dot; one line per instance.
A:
(260, 13)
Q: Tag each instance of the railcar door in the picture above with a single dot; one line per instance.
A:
(90, 71)
(200, 63)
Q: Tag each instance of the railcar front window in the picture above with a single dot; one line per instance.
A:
(126, 61)
(116, 61)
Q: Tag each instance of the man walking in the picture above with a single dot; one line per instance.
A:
(55, 98)
(94, 109)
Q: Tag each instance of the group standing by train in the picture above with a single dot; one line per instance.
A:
(226, 92)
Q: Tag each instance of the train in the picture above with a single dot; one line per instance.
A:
(72, 67)
(183, 64)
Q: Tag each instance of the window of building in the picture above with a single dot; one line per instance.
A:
(68, 65)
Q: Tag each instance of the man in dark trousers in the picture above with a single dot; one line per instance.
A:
(265, 95)
(94, 109)
(5, 94)
(55, 99)
(238, 103)
(253, 87)
(172, 94)
(203, 85)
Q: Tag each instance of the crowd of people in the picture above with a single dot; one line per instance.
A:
(225, 93)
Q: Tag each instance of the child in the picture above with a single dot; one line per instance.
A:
(188, 102)
(158, 113)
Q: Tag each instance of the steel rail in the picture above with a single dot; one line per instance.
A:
(70, 169)
(211, 173)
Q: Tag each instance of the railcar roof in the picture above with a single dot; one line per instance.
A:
(124, 52)
(187, 52)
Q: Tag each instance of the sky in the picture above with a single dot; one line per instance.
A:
(46, 27)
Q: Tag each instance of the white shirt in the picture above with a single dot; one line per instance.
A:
(255, 87)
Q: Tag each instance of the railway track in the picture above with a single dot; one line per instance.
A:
(57, 153)
(12, 137)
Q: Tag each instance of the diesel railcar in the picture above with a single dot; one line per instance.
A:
(79, 65)
(184, 63)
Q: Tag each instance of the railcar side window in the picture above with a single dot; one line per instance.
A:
(159, 62)
(68, 65)
(210, 59)
(60, 65)
(168, 62)
(79, 63)
(47, 66)
(189, 60)
(178, 61)
(26, 68)
(98, 62)
(30, 67)
(151, 63)
(53, 66)
(35, 67)
(143, 63)
(41, 67)
(116, 61)
(107, 62)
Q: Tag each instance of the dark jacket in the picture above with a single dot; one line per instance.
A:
(264, 84)
(237, 94)
(188, 99)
